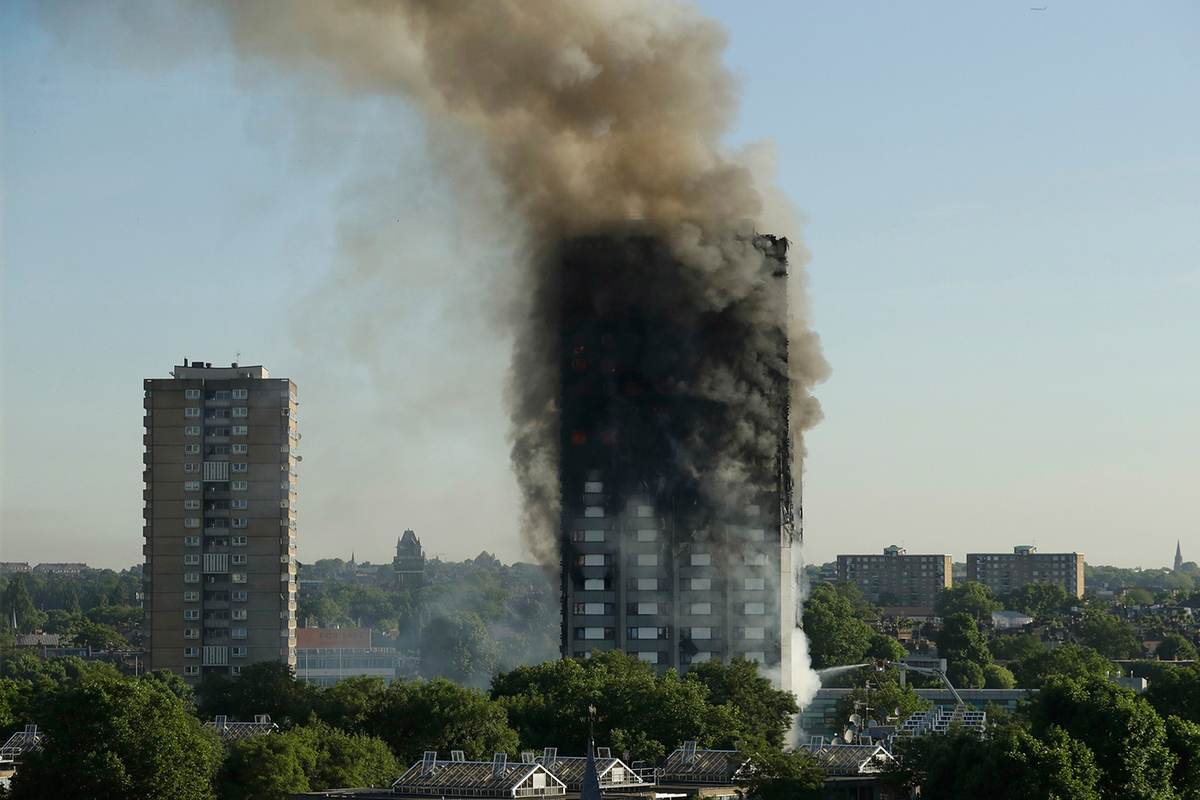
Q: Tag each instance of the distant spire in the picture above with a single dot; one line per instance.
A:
(1178, 555)
(591, 780)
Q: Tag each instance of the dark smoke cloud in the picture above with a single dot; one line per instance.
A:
(587, 112)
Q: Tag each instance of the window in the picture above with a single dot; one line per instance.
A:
(702, 609)
(191, 541)
(191, 394)
(191, 597)
(240, 504)
(191, 486)
(647, 559)
(757, 535)
(191, 652)
(647, 535)
(191, 522)
(236, 670)
(218, 450)
(223, 395)
(191, 633)
(241, 449)
(237, 652)
(191, 466)
(595, 633)
(191, 430)
(647, 584)
(754, 633)
(191, 449)
(241, 411)
(593, 585)
(588, 536)
(240, 486)
(594, 511)
(191, 670)
(701, 584)
(237, 633)
(701, 633)
(240, 394)
(593, 608)
(239, 560)
(191, 577)
(239, 613)
(216, 432)
(592, 487)
(240, 430)
(239, 466)
(191, 613)
(756, 559)
(191, 412)
(590, 560)
(701, 559)
(192, 560)
(238, 577)
(239, 597)
(755, 608)
(239, 541)
(191, 505)
(239, 522)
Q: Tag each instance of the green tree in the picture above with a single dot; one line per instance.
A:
(1175, 648)
(836, 634)
(1108, 635)
(15, 600)
(965, 649)
(772, 775)
(1183, 740)
(763, 711)
(458, 646)
(1041, 601)
(112, 737)
(971, 598)
(997, 677)
(1066, 661)
(96, 637)
(1014, 648)
(1126, 736)
(1176, 692)
(1137, 597)
(416, 716)
(885, 648)
(265, 687)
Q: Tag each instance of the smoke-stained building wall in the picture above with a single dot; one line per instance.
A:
(220, 519)
(677, 501)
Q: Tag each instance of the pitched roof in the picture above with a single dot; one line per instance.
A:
(569, 769)
(21, 743)
(849, 759)
(236, 731)
(702, 766)
(478, 779)
(36, 640)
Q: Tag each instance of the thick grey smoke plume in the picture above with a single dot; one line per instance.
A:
(590, 112)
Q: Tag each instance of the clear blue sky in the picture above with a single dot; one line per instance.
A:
(1003, 209)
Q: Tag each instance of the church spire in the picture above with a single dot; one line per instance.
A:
(1178, 555)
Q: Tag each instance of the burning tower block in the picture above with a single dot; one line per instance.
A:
(675, 466)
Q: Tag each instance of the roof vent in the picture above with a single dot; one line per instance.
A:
(499, 763)
(689, 752)
(458, 755)
(429, 762)
(603, 752)
(220, 720)
(262, 719)
(549, 757)
(527, 757)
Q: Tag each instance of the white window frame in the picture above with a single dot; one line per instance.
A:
(240, 449)
(239, 486)
(191, 613)
(239, 541)
(238, 577)
(191, 577)
(191, 394)
(238, 614)
(240, 412)
(240, 504)
(191, 449)
(235, 670)
(191, 670)
(191, 597)
(191, 522)
(191, 541)
(239, 466)
(237, 633)
(191, 560)
(191, 466)
(191, 412)
(241, 394)
(237, 652)
(191, 486)
(240, 430)
(238, 560)
(239, 597)
(239, 522)
(191, 505)
(191, 652)
(191, 430)
(191, 633)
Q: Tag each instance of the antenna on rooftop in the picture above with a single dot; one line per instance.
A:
(499, 762)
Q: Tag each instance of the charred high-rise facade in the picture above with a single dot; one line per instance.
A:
(675, 460)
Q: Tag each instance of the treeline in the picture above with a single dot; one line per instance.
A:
(105, 730)
(1080, 738)
(90, 609)
(474, 617)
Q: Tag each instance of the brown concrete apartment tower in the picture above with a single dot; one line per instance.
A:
(220, 519)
